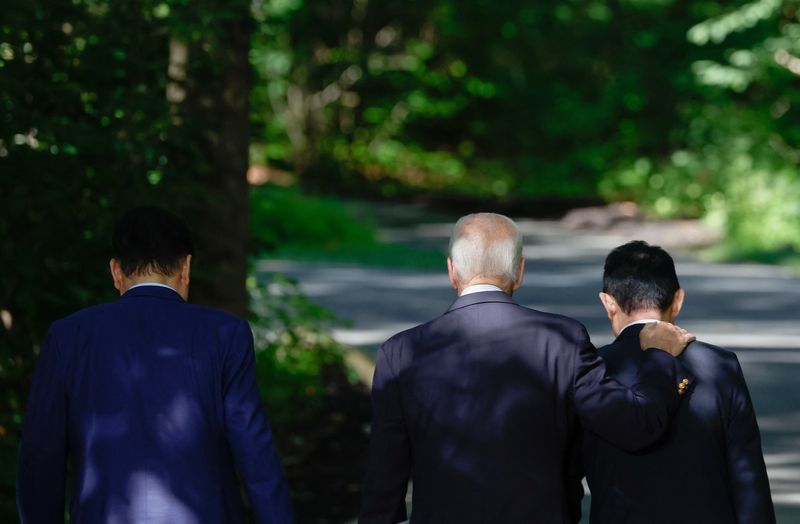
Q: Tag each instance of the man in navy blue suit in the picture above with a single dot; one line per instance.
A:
(481, 407)
(708, 467)
(152, 400)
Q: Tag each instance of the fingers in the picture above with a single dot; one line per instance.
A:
(685, 335)
(665, 336)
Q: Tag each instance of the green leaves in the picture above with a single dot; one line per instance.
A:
(742, 18)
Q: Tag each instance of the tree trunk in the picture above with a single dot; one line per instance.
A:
(212, 100)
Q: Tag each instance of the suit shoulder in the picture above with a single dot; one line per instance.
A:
(714, 353)
(611, 348)
(83, 316)
(559, 325)
(214, 316)
(220, 324)
(405, 337)
(556, 319)
(707, 359)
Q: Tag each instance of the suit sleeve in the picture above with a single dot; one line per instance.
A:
(575, 473)
(629, 418)
(42, 460)
(389, 467)
(250, 436)
(746, 469)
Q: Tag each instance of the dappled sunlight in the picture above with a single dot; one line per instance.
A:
(166, 351)
(536, 279)
(783, 469)
(747, 308)
(369, 337)
(416, 233)
(751, 340)
(561, 250)
(335, 279)
(344, 279)
(722, 283)
(752, 273)
(769, 356)
(780, 425)
(787, 499)
(148, 498)
(299, 129)
(176, 423)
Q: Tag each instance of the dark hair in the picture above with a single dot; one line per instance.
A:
(640, 276)
(149, 239)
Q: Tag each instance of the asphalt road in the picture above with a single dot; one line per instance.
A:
(751, 309)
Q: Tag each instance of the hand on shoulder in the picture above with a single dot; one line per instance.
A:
(665, 336)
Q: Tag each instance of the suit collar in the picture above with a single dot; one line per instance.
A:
(153, 292)
(631, 331)
(479, 298)
(629, 338)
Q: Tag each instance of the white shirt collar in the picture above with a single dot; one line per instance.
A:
(640, 321)
(479, 288)
(153, 284)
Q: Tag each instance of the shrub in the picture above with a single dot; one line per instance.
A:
(294, 348)
(284, 216)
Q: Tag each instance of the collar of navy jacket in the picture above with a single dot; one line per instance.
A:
(633, 331)
(479, 298)
(153, 292)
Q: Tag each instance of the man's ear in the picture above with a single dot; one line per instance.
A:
(521, 276)
(116, 274)
(610, 305)
(451, 273)
(186, 269)
(677, 304)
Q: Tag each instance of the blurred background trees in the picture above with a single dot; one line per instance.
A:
(687, 108)
(684, 107)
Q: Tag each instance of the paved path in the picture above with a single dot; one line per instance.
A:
(751, 309)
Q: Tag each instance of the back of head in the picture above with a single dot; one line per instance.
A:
(486, 245)
(640, 277)
(150, 239)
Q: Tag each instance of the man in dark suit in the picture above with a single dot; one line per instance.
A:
(708, 467)
(153, 400)
(481, 406)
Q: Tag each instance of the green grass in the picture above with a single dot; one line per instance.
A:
(380, 255)
(288, 224)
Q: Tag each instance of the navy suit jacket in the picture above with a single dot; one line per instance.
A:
(481, 408)
(155, 403)
(708, 467)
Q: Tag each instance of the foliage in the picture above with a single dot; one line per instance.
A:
(86, 133)
(82, 136)
(287, 223)
(285, 216)
(478, 97)
(738, 163)
(687, 107)
(88, 129)
(674, 104)
(293, 348)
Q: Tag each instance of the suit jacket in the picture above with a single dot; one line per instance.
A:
(481, 407)
(155, 402)
(708, 467)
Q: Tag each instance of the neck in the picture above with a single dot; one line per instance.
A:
(173, 281)
(622, 320)
(507, 288)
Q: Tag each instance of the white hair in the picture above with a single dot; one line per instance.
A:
(486, 245)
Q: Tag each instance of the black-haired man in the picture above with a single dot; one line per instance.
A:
(708, 468)
(153, 400)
